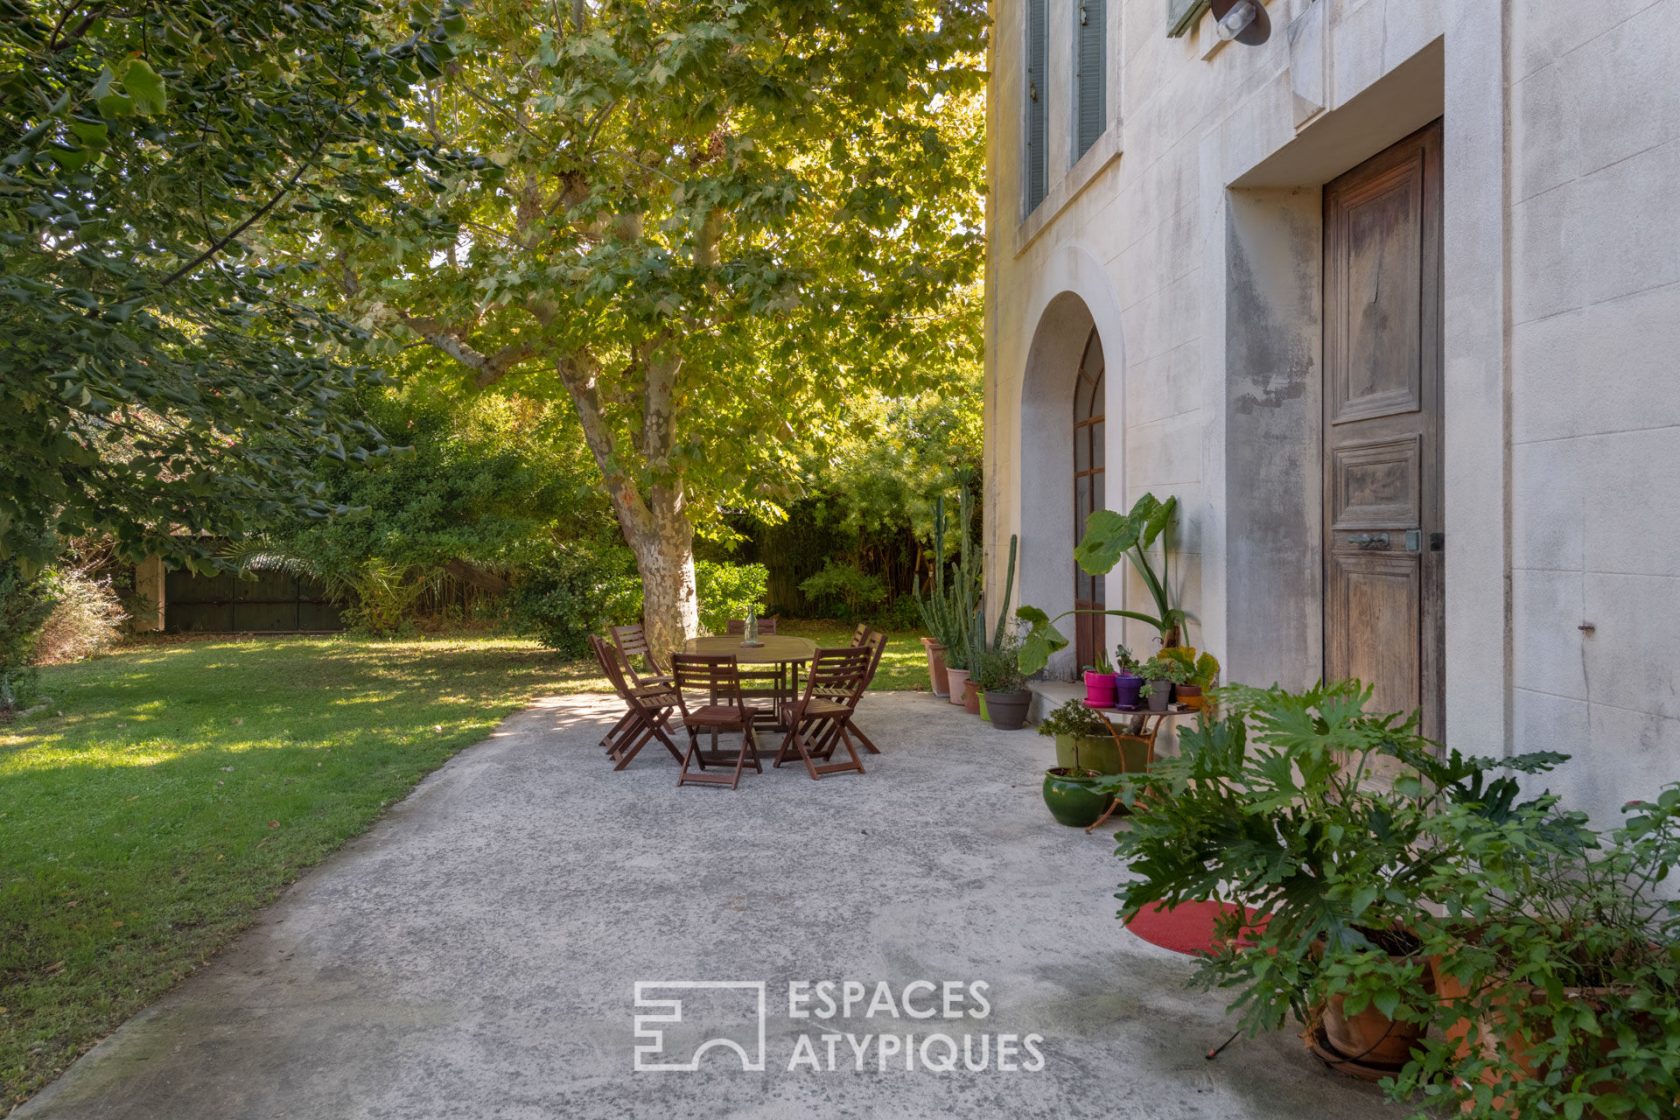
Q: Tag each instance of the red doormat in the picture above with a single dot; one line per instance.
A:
(1190, 927)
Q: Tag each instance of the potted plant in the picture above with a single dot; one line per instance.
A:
(1273, 807)
(1088, 741)
(1099, 683)
(997, 674)
(947, 606)
(956, 674)
(1073, 797)
(1161, 674)
(1128, 685)
(1108, 537)
(943, 615)
(1555, 960)
(1202, 671)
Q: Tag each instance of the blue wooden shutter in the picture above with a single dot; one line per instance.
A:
(1092, 38)
(1038, 162)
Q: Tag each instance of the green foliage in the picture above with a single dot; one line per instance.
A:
(1004, 632)
(1162, 668)
(165, 371)
(1199, 669)
(707, 226)
(727, 591)
(1275, 805)
(996, 668)
(1124, 662)
(87, 617)
(25, 603)
(577, 591)
(573, 592)
(1565, 946)
(1373, 854)
(184, 786)
(1108, 537)
(845, 592)
(1101, 665)
(1073, 718)
(954, 596)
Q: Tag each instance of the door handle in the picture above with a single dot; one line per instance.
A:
(1369, 541)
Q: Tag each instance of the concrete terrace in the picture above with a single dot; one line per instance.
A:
(475, 954)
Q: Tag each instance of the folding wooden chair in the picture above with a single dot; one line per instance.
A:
(876, 643)
(739, 626)
(822, 717)
(708, 689)
(647, 708)
(632, 642)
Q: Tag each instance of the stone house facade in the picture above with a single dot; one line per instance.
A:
(1389, 298)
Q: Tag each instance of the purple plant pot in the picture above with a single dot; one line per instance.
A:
(1126, 689)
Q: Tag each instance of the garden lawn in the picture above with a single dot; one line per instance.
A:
(170, 791)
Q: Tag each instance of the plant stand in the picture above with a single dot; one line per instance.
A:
(1151, 728)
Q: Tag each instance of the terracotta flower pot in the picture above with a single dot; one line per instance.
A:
(938, 679)
(1070, 798)
(1190, 695)
(971, 696)
(958, 685)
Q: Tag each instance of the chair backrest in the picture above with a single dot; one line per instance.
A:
(876, 641)
(839, 675)
(707, 678)
(632, 642)
(861, 634)
(739, 626)
(617, 670)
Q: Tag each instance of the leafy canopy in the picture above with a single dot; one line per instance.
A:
(154, 379)
(711, 225)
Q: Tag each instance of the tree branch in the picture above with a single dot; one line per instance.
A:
(487, 368)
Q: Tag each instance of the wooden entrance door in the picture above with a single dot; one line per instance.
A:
(1090, 630)
(1382, 428)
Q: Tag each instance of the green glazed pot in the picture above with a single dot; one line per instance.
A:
(1101, 753)
(1071, 799)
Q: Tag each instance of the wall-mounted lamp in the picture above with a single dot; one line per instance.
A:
(1242, 21)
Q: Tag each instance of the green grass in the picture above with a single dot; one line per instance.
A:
(171, 791)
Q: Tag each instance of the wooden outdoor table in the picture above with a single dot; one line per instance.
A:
(787, 653)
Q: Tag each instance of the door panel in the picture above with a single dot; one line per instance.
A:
(1382, 428)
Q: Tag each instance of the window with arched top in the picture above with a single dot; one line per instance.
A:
(1090, 630)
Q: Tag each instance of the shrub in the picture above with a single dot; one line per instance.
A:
(572, 593)
(87, 618)
(25, 603)
(726, 591)
(844, 591)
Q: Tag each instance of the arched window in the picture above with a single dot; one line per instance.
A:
(1090, 630)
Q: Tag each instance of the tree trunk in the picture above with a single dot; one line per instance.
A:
(664, 551)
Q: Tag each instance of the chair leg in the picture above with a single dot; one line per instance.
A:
(846, 729)
(864, 739)
(609, 739)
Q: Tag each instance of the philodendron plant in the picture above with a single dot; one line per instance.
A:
(1108, 537)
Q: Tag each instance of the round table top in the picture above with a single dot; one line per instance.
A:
(776, 648)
